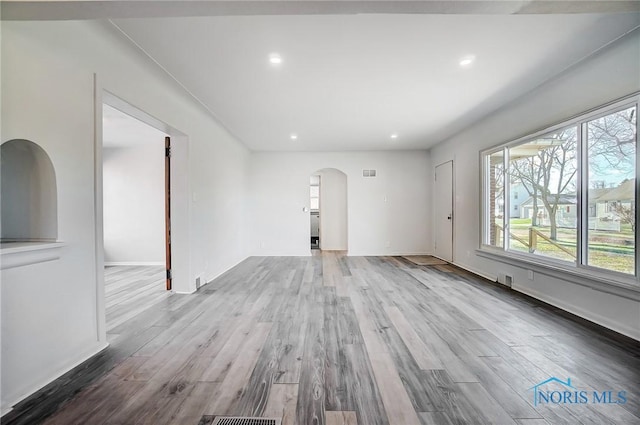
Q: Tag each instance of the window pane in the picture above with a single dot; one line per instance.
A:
(542, 181)
(611, 150)
(495, 202)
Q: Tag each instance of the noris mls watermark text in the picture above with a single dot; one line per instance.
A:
(557, 391)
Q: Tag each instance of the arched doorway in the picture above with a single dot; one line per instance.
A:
(328, 215)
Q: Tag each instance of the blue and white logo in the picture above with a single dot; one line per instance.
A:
(557, 391)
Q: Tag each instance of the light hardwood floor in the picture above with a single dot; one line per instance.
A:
(330, 339)
(129, 290)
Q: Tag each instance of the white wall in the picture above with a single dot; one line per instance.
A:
(611, 74)
(333, 210)
(387, 214)
(29, 195)
(48, 97)
(133, 204)
(51, 312)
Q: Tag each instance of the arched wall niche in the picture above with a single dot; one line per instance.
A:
(28, 193)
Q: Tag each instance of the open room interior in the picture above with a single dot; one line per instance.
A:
(134, 218)
(380, 212)
(133, 195)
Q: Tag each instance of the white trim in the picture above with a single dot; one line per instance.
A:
(26, 393)
(360, 254)
(19, 254)
(15, 247)
(628, 286)
(637, 200)
(598, 281)
(100, 317)
(492, 279)
(183, 276)
(580, 312)
(575, 120)
(453, 205)
(391, 254)
(631, 332)
(205, 280)
(133, 263)
(582, 197)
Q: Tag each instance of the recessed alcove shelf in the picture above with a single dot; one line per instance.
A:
(18, 254)
(29, 213)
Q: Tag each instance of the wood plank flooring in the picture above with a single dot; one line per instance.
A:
(129, 290)
(331, 339)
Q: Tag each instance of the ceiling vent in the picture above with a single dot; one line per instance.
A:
(368, 173)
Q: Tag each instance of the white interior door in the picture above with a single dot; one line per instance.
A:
(333, 210)
(444, 211)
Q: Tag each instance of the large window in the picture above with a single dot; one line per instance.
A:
(611, 195)
(546, 168)
(567, 195)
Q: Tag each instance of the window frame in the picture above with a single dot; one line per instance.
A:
(544, 264)
(484, 193)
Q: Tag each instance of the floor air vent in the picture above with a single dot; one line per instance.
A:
(238, 420)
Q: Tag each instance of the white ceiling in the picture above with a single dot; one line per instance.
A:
(120, 130)
(347, 82)
(353, 72)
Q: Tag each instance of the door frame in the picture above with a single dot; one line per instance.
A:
(453, 212)
(183, 278)
(310, 211)
(346, 210)
(167, 211)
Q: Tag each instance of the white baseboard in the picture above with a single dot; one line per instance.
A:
(7, 405)
(471, 270)
(5, 409)
(580, 312)
(213, 276)
(133, 263)
(587, 315)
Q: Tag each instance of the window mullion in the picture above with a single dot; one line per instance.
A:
(582, 197)
(577, 175)
(486, 199)
(637, 191)
(507, 195)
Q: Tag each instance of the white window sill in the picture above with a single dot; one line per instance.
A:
(19, 254)
(614, 283)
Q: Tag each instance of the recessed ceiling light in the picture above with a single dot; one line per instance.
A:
(467, 60)
(394, 136)
(275, 59)
(294, 136)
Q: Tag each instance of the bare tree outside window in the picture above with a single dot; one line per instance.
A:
(611, 154)
(547, 168)
(577, 182)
